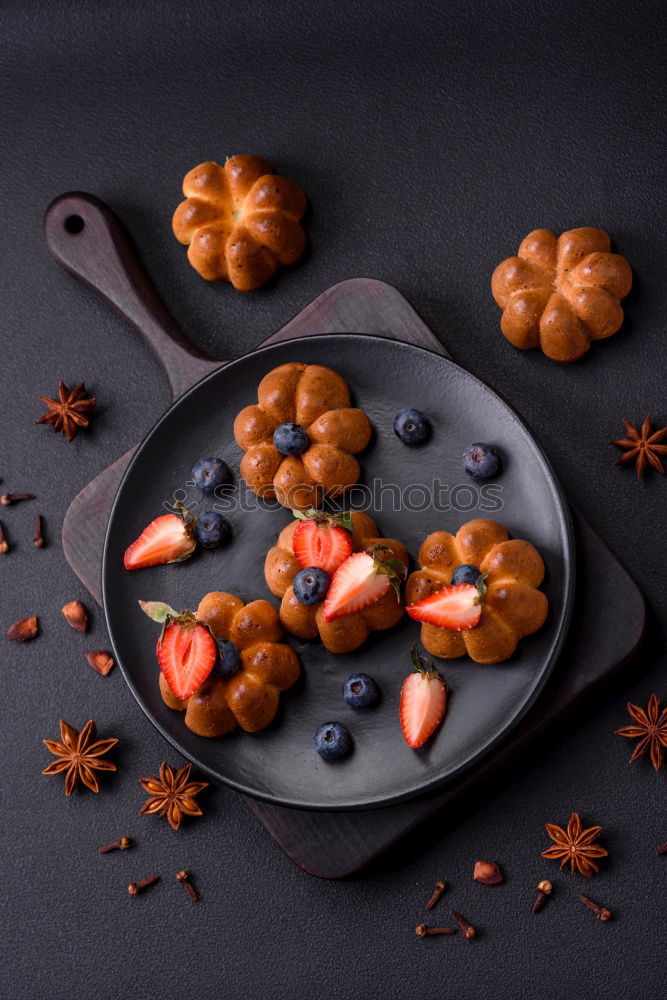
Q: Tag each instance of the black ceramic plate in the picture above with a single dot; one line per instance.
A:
(280, 764)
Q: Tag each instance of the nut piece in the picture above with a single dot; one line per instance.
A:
(487, 873)
(76, 615)
(100, 660)
(24, 629)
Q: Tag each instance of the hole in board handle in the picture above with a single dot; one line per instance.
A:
(74, 224)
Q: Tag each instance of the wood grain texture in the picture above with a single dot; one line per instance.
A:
(89, 241)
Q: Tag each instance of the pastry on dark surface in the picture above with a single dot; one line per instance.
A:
(249, 696)
(512, 607)
(559, 294)
(240, 222)
(345, 633)
(306, 410)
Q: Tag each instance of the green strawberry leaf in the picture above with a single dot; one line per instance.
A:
(158, 611)
(342, 519)
(422, 663)
(481, 588)
(393, 568)
(189, 520)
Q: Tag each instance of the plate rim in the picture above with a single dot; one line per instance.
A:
(426, 787)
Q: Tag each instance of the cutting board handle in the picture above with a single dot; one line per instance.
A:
(90, 242)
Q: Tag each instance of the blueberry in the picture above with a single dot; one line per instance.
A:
(212, 530)
(360, 691)
(481, 461)
(209, 473)
(333, 740)
(466, 574)
(229, 659)
(290, 439)
(310, 585)
(411, 426)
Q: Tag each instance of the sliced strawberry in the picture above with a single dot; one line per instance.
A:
(423, 701)
(456, 608)
(186, 654)
(320, 543)
(167, 539)
(357, 583)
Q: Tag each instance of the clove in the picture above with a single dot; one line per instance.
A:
(121, 844)
(38, 541)
(4, 544)
(544, 890)
(7, 499)
(469, 931)
(601, 912)
(437, 893)
(134, 888)
(421, 930)
(184, 879)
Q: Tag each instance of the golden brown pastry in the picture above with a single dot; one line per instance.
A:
(240, 222)
(512, 607)
(248, 698)
(317, 400)
(561, 293)
(307, 622)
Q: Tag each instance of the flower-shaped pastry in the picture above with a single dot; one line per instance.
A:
(512, 606)
(560, 294)
(301, 436)
(255, 667)
(346, 632)
(240, 221)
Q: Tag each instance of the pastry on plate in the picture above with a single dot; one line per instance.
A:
(301, 437)
(338, 590)
(476, 592)
(225, 665)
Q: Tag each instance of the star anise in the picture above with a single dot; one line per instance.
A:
(642, 447)
(651, 730)
(79, 756)
(172, 794)
(68, 413)
(575, 845)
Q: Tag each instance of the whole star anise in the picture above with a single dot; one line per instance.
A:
(642, 447)
(575, 845)
(651, 730)
(69, 412)
(172, 794)
(79, 756)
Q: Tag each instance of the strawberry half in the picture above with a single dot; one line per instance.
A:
(322, 540)
(186, 650)
(167, 539)
(423, 701)
(186, 654)
(360, 581)
(457, 608)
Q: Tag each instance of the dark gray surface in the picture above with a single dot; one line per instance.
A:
(429, 143)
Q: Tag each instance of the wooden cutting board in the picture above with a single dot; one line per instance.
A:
(608, 619)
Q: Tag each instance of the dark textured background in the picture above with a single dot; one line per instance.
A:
(429, 141)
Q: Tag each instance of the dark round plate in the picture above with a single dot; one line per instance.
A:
(411, 491)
